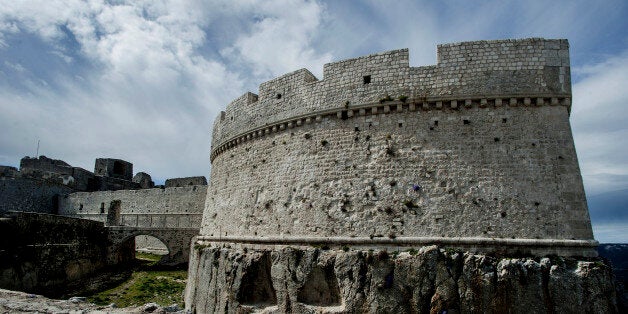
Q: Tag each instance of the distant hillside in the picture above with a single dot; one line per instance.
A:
(617, 254)
(609, 206)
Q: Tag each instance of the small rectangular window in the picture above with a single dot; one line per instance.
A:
(366, 79)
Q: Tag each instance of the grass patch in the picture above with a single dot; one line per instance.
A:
(147, 256)
(162, 287)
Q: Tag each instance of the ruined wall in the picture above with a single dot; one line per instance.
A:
(30, 195)
(179, 182)
(478, 146)
(114, 168)
(170, 207)
(57, 171)
(41, 253)
(427, 280)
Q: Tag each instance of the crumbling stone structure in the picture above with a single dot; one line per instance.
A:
(474, 153)
(188, 181)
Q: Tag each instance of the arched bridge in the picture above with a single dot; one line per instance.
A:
(175, 230)
(177, 240)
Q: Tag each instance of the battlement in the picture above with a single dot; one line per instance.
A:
(532, 68)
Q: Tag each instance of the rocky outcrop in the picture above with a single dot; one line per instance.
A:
(430, 280)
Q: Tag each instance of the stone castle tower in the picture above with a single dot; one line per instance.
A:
(473, 153)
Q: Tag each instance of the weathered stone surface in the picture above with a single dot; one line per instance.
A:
(188, 181)
(30, 195)
(43, 253)
(157, 208)
(473, 171)
(20, 302)
(430, 280)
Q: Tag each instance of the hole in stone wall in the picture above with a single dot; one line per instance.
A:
(344, 115)
(118, 168)
(435, 122)
(320, 287)
(102, 208)
(465, 121)
(257, 286)
(278, 96)
(400, 124)
(504, 120)
(503, 214)
(357, 129)
(366, 79)
(496, 139)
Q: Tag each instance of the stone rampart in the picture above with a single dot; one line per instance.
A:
(42, 253)
(179, 207)
(30, 195)
(188, 181)
(478, 146)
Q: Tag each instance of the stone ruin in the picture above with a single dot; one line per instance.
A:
(389, 188)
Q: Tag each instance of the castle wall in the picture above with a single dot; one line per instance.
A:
(503, 167)
(30, 195)
(169, 207)
(477, 146)
(58, 171)
(43, 253)
(179, 182)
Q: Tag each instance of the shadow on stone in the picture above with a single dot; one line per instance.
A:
(320, 288)
(257, 286)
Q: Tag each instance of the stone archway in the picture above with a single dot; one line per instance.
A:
(176, 240)
(149, 249)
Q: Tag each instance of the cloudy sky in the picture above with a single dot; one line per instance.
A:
(143, 80)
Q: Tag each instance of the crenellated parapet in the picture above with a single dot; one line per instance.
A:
(481, 73)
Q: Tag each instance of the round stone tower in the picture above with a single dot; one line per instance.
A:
(473, 153)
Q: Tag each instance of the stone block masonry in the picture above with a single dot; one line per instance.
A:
(179, 207)
(477, 148)
(42, 253)
(30, 195)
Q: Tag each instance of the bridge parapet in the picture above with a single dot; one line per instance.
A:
(150, 220)
(162, 220)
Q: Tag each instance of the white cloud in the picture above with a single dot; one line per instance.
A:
(150, 89)
(280, 39)
(599, 118)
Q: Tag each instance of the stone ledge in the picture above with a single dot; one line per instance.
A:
(537, 247)
(402, 241)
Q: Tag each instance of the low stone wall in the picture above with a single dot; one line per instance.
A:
(41, 253)
(427, 280)
(29, 195)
